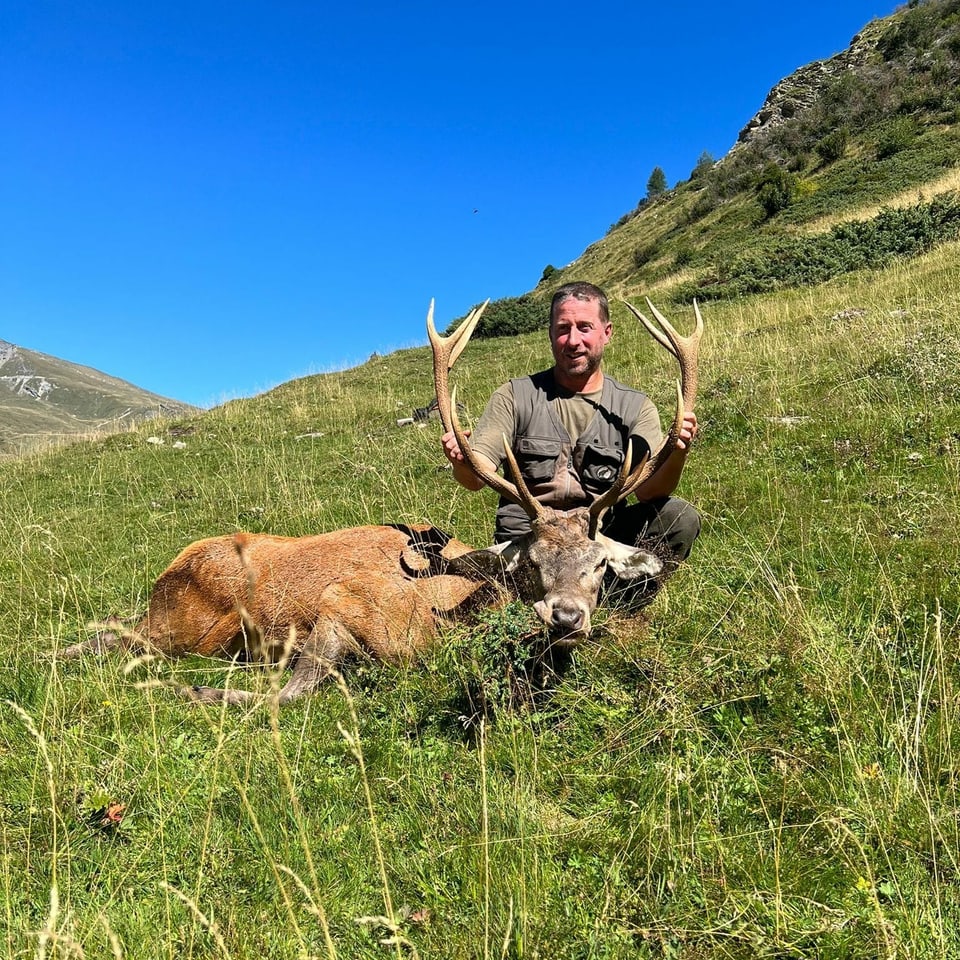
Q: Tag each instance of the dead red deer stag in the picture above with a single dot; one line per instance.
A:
(378, 590)
(382, 590)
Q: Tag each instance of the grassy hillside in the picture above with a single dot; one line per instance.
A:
(766, 764)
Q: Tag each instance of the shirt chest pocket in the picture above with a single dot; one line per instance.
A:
(537, 458)
(599, 466)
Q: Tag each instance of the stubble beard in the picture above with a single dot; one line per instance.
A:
(581, 367)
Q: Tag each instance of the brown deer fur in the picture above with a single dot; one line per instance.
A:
(377, 590)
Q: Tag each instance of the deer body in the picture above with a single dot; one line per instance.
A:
(366, 577)
(374, 590)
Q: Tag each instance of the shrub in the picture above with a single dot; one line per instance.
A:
(509, 316)
(644, 254)
(803, 261)
(704, 165)
(775, 189)
(834, 145)
(895, 136)
(706, 203)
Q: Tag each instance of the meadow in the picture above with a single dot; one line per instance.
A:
(765, 763)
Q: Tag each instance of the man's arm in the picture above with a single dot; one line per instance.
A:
(666, 479)
(495, 422)
(462, 472)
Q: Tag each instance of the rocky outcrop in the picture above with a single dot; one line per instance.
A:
(801, 90)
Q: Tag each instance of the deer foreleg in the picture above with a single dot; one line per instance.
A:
(321, 652)
(324, 648)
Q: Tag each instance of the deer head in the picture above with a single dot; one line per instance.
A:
(559, 565)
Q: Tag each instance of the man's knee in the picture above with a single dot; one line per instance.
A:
(680, 523)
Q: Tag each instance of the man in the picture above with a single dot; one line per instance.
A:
(569, 427)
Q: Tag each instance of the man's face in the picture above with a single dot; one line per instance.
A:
(578, 336)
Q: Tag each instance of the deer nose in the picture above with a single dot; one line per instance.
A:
(566, 617)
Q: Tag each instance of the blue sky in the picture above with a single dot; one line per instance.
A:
(209, 198)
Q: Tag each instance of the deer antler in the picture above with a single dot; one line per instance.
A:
(446, 350)
(686, 350)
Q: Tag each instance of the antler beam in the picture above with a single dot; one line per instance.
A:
(686, 350)
(446, 350)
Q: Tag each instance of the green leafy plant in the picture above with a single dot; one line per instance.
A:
(834, 145)
(775, 189)
(895, 136)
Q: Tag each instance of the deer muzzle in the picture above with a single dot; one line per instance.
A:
(567, 620)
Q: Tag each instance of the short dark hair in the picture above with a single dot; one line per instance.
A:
(580, 290)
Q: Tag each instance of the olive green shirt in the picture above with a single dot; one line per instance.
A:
(574, 410)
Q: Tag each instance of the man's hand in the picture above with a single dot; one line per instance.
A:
(451, 448)
(688, 430)
(461, 470)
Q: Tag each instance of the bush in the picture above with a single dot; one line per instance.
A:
(895, 136)
(834, 145)
(804, 261)
(775, 189)
(704, 165)
(644, 254)
(509, 316)
(548, 271)
(707, 202)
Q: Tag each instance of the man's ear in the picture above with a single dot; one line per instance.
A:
(629, 563)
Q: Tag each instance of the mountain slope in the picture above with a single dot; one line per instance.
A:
(44, 399)
(765, 763)
(851, 162)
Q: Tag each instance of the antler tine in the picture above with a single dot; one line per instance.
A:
(686, 351)
(612, 496)
(526, 499)
(446, 350)
(654, 332)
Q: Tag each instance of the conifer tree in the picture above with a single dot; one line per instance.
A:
(657, 184)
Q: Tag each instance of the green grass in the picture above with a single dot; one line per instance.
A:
(764, 765)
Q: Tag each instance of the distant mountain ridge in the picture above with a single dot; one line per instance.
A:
(44, 399)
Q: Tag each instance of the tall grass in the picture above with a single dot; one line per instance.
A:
(764, 764)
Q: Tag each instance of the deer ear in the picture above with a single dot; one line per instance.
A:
(493, 562)
(629, 563)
